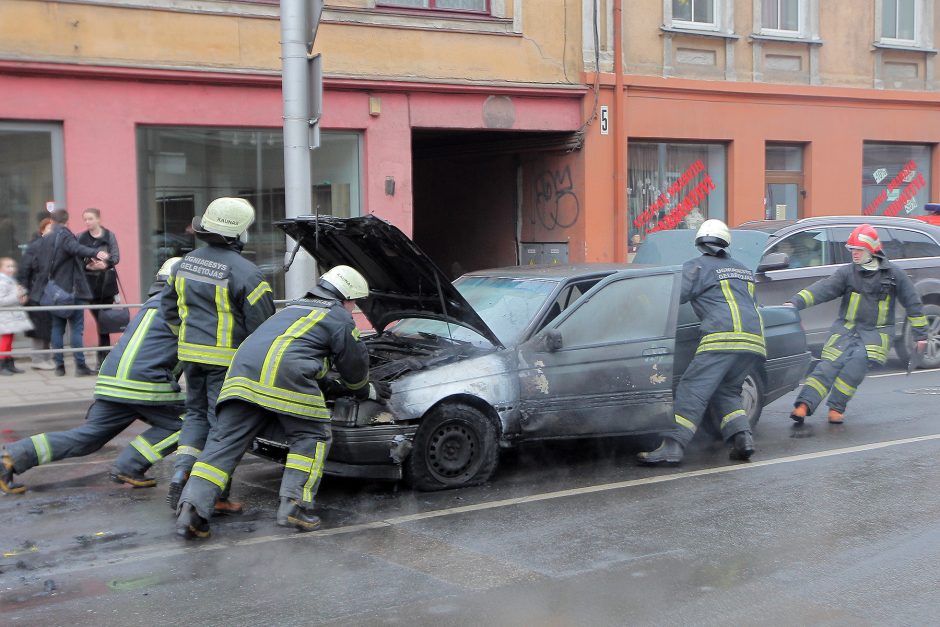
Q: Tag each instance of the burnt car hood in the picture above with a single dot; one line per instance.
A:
(403, 281)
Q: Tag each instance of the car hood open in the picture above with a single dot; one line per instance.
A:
(403, 281)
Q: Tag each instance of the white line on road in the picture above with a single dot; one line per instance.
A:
(151, 552)
(901, 374)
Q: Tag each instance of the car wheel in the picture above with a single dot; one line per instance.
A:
(455, 446)
(906, 346)
(752, 402)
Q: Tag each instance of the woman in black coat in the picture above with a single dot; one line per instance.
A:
(101, 275)
(27, 276)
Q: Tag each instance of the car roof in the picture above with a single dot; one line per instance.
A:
(553, 271)
(779, 228)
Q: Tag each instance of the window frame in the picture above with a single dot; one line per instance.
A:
(433, 8)
(801, 13)
(714, 25)
(896, 41)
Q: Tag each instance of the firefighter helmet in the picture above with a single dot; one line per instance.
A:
(346, 282)
(864, 237)
(167, 267)
(228, 217)
(713, 236)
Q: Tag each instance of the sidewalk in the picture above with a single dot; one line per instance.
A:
(37, 391)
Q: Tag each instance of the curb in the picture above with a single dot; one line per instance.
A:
(77, 407)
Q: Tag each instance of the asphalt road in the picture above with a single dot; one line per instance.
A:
(827, 525)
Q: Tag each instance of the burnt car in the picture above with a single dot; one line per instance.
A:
(789, 255)
(509, 355)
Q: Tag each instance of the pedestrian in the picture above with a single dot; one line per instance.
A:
(721, 291)
(214, 299)
(60, 258)
(27, 275)
(138, 379)
(861, 336)
(11, 322)
(274, 377)
(100, 275)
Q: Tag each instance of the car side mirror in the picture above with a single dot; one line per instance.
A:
(773, 261)
(553, 340)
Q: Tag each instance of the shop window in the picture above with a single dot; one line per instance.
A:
(696, 13)
(673, 185)
(781, 16)
(183, 169)
(32, 178)
(895, 179)
(899, 20)
(471, 6)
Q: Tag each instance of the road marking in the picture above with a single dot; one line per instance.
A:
(166, 551)
(901, 374)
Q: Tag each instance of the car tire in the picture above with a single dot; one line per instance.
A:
(752, 397)
(455, 446)
(905, 346)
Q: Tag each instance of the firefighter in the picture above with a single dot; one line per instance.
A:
(861, 335)
(721, 291)
(213, 300)
(138, 379)
(276, 375)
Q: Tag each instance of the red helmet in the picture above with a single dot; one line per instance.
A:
(864, 237)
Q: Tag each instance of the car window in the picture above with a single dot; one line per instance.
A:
(840, 235)
(915, 244)
(567, 297)
(626, 310)
(806, 249)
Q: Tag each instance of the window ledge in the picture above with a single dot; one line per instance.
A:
(785, 39)
(672, 30)
(389, 16)
(882, 46)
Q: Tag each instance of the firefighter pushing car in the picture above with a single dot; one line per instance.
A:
(861, 336)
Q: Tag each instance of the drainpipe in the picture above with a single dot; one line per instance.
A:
(620, 141)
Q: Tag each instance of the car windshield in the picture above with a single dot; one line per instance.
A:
(507, 305)
(673, 248)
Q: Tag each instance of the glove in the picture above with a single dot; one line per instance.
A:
(331, 388)
(379, 391)
(921, 346)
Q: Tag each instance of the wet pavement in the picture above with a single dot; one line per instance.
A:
(827, 525)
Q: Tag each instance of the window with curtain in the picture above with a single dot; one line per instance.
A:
(899, 20)
(698, 12)
(783, 15)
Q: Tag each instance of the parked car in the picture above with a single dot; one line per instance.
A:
(788, 256)
(508, 355)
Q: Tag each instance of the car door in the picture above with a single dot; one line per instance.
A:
(811, 258)
(610, 368)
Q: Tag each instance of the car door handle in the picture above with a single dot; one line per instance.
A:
(650, 352)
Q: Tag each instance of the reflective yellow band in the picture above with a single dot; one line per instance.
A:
(324, 368)
(272, 359)
(741, 336)
(43, 449)
(732, 304)
(852, 310)
(917, 321)
(211, 474)
(750, 289)
(688, 424)
(883, 308)
(732, 416)
(143, 447)
(258, 292)
(133, 346)
(225, 322)
(275, 399)
(731, 347)
(831, 354)
(844, 387)
(133, 395)
(181, 306)
(211, 355)
(807, 297)
(817, 385)
(299, 462)
(355, 333)
(358, 385)
(319, 457)
(188, 450)
(167, 442)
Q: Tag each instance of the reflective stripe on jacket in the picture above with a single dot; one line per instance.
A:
(721, 291)
(214, 299)
(142, 367)
(277, 367)
(867, 308)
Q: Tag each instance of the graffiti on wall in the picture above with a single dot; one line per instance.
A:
(556, 204)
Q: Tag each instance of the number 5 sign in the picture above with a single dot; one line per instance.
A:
(605, 121)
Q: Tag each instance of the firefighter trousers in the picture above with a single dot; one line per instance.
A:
(203, 384)
(104, 421)
(237, 423)
(716, 378)
(837, 374)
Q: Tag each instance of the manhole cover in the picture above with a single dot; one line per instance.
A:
(930, 390)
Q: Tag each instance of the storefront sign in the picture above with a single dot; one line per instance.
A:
(664, 198)
(693, 199)
(898, 197)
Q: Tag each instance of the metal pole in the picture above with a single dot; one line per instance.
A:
(295, 92)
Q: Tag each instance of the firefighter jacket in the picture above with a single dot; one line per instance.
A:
(278, 366)
(867, 309)
(721, 291)
(142, 368)
(214, 299)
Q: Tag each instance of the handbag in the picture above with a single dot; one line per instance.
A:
(54, 294)
(114, 320)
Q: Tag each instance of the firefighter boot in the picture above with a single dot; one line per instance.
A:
(835, 417)
(291, 514)
(189, 524)
(7, 484)
(135, 479)
(177, 483)
(742, 446)
(800, 411)
(225, 506)
(669, 452)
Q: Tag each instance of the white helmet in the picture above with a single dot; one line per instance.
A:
(346, 281)
(167, 267)
(228, 217)
(713, 236)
